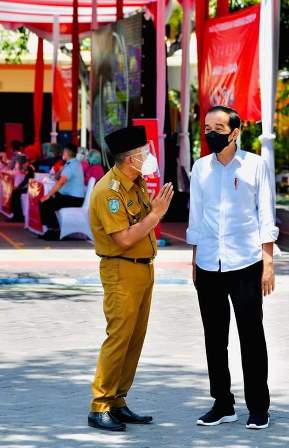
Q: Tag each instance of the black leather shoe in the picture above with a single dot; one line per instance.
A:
(106, 421)
(50, 235)
(125, 415)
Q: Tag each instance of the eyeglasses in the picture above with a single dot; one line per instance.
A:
(144, 152)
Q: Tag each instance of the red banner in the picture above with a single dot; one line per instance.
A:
(35, 193)
(7, 186)
(223, 7)
(151, 125)
(63, 96)
(230, 63)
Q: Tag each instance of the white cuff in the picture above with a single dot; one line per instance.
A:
(269, 236)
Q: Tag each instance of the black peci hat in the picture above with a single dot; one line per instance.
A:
(126, 139)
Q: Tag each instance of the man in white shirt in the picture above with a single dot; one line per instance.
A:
(232, 230)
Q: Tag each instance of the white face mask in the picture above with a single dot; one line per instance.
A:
(150, 165)
(80, 156)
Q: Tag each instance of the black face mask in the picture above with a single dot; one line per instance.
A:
(217, 142)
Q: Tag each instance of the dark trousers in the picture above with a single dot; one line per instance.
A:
(49, 207)
(244, 288)
(16, 204)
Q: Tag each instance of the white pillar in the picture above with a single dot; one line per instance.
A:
(269, 50)
(55, 42)
(94, 26)
(83, 139)
(161, 83)
(169, 10)
(185, 156)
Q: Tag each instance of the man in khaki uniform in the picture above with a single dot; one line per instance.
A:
(123, 221)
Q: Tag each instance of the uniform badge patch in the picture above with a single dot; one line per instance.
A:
(113, 205)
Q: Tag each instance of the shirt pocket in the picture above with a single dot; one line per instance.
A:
(134, 213)
(243, 192)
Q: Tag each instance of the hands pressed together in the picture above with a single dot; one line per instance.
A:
(161, 202)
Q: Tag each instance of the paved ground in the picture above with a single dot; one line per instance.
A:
(50, 334)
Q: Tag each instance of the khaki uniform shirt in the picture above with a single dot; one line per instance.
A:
(116, 204)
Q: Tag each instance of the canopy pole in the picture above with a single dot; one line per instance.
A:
(75, 72)
(268, 56)
(161, 83)
(169, 9)
(202, 13)
(55, 40)
(185, 147)
(94, 26)
(119, 10)
(83, 140)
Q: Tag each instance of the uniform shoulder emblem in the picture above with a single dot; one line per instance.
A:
(114, 185)
(113, 205)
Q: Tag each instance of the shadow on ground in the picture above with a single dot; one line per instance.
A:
(45, 403)
(26, 294)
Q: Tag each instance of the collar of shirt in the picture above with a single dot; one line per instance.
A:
(68, 162)
(125, 181)
(237, 157)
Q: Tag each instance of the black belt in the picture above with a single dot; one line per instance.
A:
(132, 260)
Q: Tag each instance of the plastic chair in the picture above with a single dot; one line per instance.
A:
(76, 219)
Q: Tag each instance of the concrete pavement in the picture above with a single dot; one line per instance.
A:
(50, 335)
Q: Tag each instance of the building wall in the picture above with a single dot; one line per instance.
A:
(20, 78)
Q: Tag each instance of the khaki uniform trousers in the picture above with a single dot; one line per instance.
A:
(127, 299)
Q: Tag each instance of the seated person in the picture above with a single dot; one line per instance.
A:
(17, 146)
(17, 149)
(3, 161)
(67, 192)
(82, 157)
(22, 165)
(81, 154)
(52, 154)
(94, 167)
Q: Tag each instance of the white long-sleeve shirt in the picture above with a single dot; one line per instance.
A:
(231, 211)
